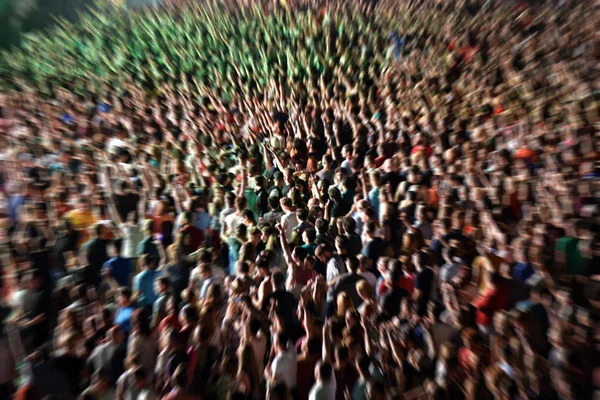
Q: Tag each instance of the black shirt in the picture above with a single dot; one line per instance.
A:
(374, 249)
(390, 302)
(125, 203)
(347, 283)
(423, 283)
(97, 255)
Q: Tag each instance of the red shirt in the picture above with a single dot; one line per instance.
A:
(492, 300)
(407, 283)
(196, 236)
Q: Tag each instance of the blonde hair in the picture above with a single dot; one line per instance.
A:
(344, 303)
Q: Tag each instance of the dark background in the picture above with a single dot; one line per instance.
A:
(21, 16)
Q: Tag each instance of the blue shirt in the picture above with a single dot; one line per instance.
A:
(143, 283)
(203, 220)
(120, 269)
(374, 200)
(123, 318)
(522, 271)
(14, 203)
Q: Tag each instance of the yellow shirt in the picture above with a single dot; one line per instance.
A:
(82, 222)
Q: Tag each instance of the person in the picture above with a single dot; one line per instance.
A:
(143, 283)
(346, 283)
(289, 219)
(97, 255)
(109, 356)
(124, 313)
(34, 324)
(100, 388)
(82, 219)
(283, 367)
(325, 385)
(143, 343)
(120, 268)
(390, 301)
(159, 308)
(149, 246)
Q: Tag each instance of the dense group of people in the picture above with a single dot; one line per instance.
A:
(303, 200)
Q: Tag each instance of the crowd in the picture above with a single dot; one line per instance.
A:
(303, 200)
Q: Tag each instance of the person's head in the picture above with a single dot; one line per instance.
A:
(299, 255)
(141, 322)
(278, 281)
(162, 285)
(323, 371)
(186, 219)
(365, 290)
(248, 218)
(116, 335)
(101, 379)
(230, 199)
(148, 261)
(260, 181)
(327, 161)
(148, 226)
(286, 204)
(352, 264)
(370, 229)
(309, 236)
(273, 203)
(341, 244)
(240, 204)
(344, 303)
(188, 315)
(302, 214)
(175, 340)
(84, 205)
(140, 377)
(125, 297)
(100, 230)
(394, 272)
(324, 252)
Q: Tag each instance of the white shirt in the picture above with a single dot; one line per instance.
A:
(224, 214)
(335, 267)
(323, 390)
(232, 221)
(284, 367)
(289, 222)
(370, 277)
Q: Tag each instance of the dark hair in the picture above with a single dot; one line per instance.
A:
(125, 292)
(282, 338)
(255, 326)
(311, 234)
(353, 263)
(302, 214)
(325, 370)
(363, 364)
(341, 353)
(314, 345)
(349, 225)
(273, 202)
